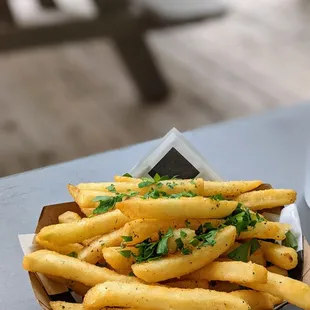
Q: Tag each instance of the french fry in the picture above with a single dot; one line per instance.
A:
(230, 188)
(279, 255)
(258, 300)
(237, 272)
(88, 211)
(266, 230)
(80, 288)
(178, 265)
(267, 199)
(119, 178)
(62, 234)
(295, 292)
(223, 286)
(54, 264)
(84, 198)
(170, 187)
(258, 258)
(278, 270)
(164, 208)
(117, 261)
(87, 242)
(62, 249)
(188, 284)
(62, 305)
(93, 252)
(116, 294)
(68, 217)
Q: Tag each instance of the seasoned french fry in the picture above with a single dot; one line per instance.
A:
(77, 287)
(257, 300)
(230, 188)
(52, 263)
(119, 178)
(62, 249)
(278, 270)
(266, 230)
(258, 258)
(62, 305)
(295, 292)
(117, 261)
(170, 187)
(164, 208)
(87, 242)
(188, 284)
(92, 253)
(118, 294)
(279, 255)
(223, 286)
(237, 272)
(267, 199)
(84, 198)
(88, 211)
(86, 228)
(177, 265)
(68, 217)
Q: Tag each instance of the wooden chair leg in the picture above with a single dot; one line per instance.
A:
(142, 67)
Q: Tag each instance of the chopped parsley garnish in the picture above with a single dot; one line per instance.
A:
(242, 218)
(205, 235)
(181, 247)
(162, 248)
(111, 188)
(183, 234)
(290, 241)
(171, 185)
(156, 180)
(127, 175)
(182, 194)
(245, 250)
(127, 238)
(217, 197)
(73, 254)
(125, 253)
(131, 274)
(107, 203)
(154, 194)
(192, 181)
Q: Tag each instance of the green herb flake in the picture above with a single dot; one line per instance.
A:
(73, 254)
(127, 238)
(111, 188)
(243, 252)
(127, 175)
(179, 243)
(290, 241)
(131, 274)
(126, 253)
(162, 247)
(217, 197)
(183, 234)
(192, 181)
(186, 251)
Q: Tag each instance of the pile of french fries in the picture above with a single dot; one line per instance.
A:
(155, 243)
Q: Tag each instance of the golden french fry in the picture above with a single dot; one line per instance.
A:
(143, 296)
(177, 265)
(232, 271)
(62, 305)
(188, 284)
(86, 228)
(258, 258)
(88, 211)
(295, 292)
(87, 242)
(258, 300)
(84, 198)
(170, 187)
(68, 217)
(223, 286)
(279, 255)
(164, 208)
(52, 263)
(267, 199)
(119, 178)
(229, 188)
(117, 261)
(278, 270)
(266, 230)
(62, 249)
(93, 252)
(77, 287)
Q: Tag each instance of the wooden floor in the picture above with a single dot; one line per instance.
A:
(73, 100)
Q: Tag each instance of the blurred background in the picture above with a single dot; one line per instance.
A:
(78, 77)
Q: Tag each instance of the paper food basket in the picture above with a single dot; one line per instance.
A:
(174, 156)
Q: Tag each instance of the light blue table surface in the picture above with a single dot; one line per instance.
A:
(271, 147)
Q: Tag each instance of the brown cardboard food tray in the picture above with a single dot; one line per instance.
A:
(49, 215)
